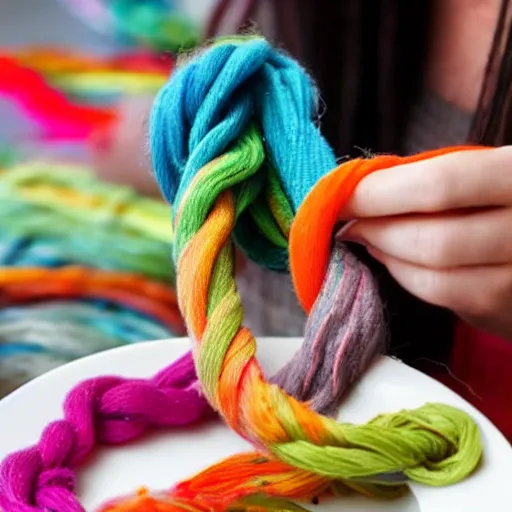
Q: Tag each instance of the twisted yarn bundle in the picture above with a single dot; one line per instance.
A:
(53, 316)
(97, 78)
(71, 96)
(234, 115)
(105, 410)
(60, 213)
(59, 300)
(237, 153)
(55, 114)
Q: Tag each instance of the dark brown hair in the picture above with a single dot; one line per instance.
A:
(492, 124)
(366, 56)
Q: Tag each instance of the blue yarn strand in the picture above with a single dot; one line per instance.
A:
(231, 84)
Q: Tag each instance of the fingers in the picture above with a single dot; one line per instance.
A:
(440, 241)
(473, 292)
(452, 181)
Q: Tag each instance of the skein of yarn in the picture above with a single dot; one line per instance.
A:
(60, 301)
(105, 410)
(92, 79)
(37, 338)
(63, 211)
(237, 153)
(55, 114)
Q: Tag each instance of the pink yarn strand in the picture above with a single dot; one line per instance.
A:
(102, 410)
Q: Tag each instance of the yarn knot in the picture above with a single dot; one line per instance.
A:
(222, 99)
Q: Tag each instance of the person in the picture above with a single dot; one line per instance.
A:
(404, 77)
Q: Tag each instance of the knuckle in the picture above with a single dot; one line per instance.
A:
(437, 187)
(501, 165)
(363, 200)
(434, 244)
(433, 289)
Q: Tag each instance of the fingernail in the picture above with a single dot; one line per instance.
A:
(347, 234)
(374, 252)
(353, 239)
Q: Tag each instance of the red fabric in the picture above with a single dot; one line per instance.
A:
(481, 370)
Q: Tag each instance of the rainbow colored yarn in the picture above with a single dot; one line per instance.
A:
(57, 116)
(71, 96)
(98, 78)
(233, 116)
(60, 300)
(238, 154)
(66, 212)
(53, 316)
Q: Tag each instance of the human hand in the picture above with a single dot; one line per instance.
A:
(443, 229)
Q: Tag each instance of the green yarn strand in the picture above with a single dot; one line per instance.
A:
(226, 171)
(434, 429)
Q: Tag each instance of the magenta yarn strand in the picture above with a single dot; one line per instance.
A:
(102, 410)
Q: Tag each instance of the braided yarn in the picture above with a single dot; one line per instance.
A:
(107, 410)
(236, 152)
(233, 116)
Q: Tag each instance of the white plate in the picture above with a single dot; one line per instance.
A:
(172, 456)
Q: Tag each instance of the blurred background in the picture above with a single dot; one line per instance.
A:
(85, 240)
(83, 29)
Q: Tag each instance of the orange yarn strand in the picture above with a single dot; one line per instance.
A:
(314, 224)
